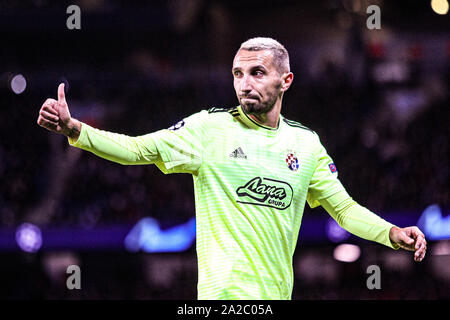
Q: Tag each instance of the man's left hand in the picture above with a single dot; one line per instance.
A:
(411, 239)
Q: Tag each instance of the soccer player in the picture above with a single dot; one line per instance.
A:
(253, 172)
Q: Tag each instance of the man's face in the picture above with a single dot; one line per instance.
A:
(257, 81)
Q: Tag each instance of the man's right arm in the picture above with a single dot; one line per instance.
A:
(178, 150)
(74, 130)
(54, 116)
(115, 147)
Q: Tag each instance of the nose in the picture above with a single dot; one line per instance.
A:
(245, 84)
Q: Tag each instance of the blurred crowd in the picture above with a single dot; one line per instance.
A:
(387, 159)
(173, 276)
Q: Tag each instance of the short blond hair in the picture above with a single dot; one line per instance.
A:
(280, 54)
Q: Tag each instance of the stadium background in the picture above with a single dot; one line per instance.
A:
(378, 99)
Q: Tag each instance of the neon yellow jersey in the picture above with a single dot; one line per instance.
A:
(251, 184)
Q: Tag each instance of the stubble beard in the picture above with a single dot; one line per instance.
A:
(260, 108)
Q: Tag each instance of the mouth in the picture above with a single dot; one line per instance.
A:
(249, 99)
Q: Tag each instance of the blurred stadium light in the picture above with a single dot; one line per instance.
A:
(55, 265)
(18, 84)
(335, 232)
(29, 237)
(441, 248)
(147, 236)
(347, 252)
(439, 6)
(433, 224)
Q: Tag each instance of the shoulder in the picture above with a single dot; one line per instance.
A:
(302, 132)
(298, 126)
(219, 114)
(204, 117)
(207, 114)
(217, 110)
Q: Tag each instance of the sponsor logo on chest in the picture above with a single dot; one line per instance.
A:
(266, 192)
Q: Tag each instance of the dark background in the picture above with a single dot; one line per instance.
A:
(378, 99)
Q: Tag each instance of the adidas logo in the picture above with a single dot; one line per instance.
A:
(238, 153)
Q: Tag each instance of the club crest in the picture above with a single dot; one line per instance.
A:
(292, 161)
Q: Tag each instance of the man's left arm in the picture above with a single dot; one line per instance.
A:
(325, 189)
(363, 223)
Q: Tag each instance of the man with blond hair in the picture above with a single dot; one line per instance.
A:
(253, 172)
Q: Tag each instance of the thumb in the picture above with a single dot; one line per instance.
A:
(62, 107)
(61, 94)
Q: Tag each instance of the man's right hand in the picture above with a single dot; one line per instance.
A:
(55, 116)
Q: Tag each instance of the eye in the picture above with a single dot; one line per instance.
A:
(237, 73)
(258, 73)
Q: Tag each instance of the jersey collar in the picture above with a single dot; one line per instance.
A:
(247, 120)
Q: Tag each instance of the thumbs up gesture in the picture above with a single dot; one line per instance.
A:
(55, 116)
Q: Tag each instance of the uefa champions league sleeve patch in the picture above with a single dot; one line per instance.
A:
(332, 167)
(177, 126)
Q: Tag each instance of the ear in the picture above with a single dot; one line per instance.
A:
(286, 81)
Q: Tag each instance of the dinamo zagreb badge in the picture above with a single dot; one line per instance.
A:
(292, 161)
